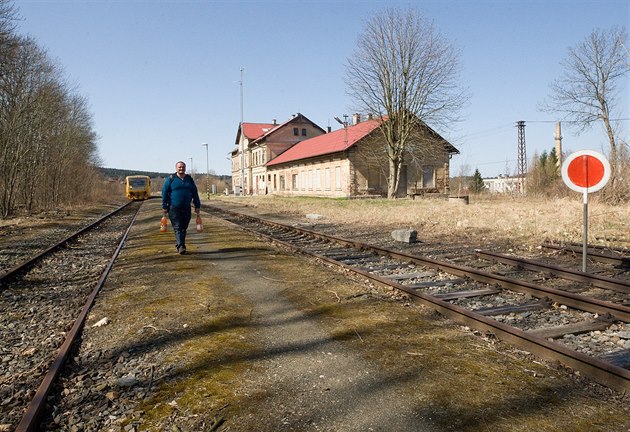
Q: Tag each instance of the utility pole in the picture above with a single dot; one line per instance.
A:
(522, 158)
(344, 123)
(207, 172)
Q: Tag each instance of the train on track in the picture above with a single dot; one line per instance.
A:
(138, 187)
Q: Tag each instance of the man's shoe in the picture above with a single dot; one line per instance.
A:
(181, 250)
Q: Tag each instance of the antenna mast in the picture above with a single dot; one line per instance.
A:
(242, 139)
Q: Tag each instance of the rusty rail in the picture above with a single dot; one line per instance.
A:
(614, 284)
(592, 254)
(30, 419)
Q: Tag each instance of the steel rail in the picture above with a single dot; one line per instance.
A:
(57, 245)
(597, 256)
(600, 371)
(567, 273)
(620, 250)
(30, 419)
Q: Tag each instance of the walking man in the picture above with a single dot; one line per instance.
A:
(177, 193)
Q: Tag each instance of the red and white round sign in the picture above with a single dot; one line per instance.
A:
(586, 171)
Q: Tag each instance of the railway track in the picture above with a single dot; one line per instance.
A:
(20, 242)
(548, 310)
(540, 322)
(45, 300)
(617, 257)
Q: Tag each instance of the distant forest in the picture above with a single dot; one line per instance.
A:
(120, 174)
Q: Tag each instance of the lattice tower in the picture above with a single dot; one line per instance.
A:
(522, 157)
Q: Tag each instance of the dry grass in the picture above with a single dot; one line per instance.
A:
(524, 221)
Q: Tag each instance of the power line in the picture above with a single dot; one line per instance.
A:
(569, 121)
(486, 132)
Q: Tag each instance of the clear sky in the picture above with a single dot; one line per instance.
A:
(162, 77)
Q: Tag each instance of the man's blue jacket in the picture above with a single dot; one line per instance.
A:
(179, 193)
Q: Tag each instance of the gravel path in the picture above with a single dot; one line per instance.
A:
(311, 381)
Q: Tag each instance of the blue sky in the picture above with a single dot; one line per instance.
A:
(162, 77)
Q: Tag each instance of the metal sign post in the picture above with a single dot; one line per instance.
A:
(585, 237)
(585, 171)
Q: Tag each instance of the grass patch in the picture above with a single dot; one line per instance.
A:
(527, 221)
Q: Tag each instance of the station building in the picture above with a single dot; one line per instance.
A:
(348, 162)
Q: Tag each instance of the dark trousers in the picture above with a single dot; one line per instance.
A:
(180, 218)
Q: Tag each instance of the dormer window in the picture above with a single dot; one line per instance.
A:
(296, 131)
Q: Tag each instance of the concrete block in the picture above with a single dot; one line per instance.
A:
(405, 235)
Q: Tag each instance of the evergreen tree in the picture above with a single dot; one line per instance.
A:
(476, 183)
(543, 173)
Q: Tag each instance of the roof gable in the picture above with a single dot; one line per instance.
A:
(256, 132)
(341, 140)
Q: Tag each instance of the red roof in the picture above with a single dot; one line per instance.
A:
(253, 131)
(332, 142)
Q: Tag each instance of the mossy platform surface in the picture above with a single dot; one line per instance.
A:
(241, 333)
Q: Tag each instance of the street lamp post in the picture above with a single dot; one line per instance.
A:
(207, 171)
(192, 171)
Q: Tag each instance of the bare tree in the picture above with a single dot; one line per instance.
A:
(8, 17)
(404, 71)
(20, 84)
(587, 92)
(45, 132)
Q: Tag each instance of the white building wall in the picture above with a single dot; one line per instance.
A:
(329, 178)
(501, 184)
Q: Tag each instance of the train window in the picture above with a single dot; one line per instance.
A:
(137, 183)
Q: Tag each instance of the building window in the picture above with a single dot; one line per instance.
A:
(282, 185)
(310, 180)
(294, 178)
(303, 132)
(327, 178)
(428, 176)
(337, 178)
(303, 179)
(318, 179)
(296, 131)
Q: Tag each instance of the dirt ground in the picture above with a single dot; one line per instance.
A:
(238, 335)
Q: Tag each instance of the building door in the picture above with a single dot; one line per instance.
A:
(402, 182)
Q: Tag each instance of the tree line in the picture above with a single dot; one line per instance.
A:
(48, 151)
